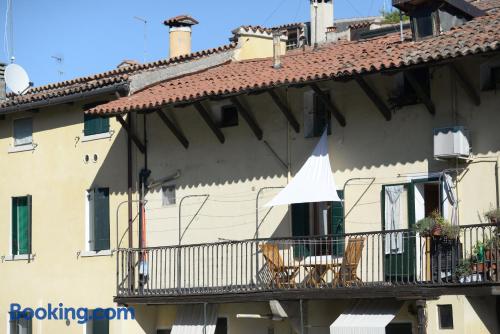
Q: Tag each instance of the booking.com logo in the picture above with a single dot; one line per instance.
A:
(60, 312)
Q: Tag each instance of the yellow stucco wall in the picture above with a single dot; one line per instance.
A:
(254, 46)
(57, 177)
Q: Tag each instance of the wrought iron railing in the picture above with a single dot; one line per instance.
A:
(384, 258)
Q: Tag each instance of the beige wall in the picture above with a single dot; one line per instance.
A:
(256, 45)
(57, 177)
(368, 147)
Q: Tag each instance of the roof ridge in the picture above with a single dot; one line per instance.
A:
(129, 69)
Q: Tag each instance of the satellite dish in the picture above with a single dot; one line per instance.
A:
(16, 78)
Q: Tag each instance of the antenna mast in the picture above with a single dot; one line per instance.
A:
(145, 22)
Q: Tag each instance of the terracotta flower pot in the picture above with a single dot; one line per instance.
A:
(437, 231)
(478, 267)
(488, 254)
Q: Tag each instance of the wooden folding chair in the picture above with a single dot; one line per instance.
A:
(281, 275)
(346, 275)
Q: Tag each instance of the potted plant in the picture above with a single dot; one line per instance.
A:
(478, 257)
(464, 271)
(449, 231)
(491, 248)
(424, 226)
(493, 216)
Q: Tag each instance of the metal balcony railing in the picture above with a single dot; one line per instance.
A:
(371, 259)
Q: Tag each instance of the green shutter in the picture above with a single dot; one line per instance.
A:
(322, 116)
(100, 326)
(93, 124)
(21, 225)
(101, 219)
(300, 228)
(338, 226)
(14, 226)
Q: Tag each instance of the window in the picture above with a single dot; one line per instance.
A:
(424, 23)
(98, 325)
(221, 327)
(228, 116)
(399, 328)
(98, 219)
(20, 323)
(23, 131)
(317, 116)
(168, 195)
(21, 225)
(94, 124)
(404, 94)
(445, 313)
(317, 219)
(163, 331)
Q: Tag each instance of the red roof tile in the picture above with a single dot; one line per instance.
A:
(99, 80)
(330, 61)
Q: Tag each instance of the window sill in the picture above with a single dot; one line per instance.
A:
(22, 148)
(105, 135)
(23, 257)
(107, 252)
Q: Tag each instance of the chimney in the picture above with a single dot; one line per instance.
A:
(180, 34)
(321, 19)
(277, 49)
(3, 92)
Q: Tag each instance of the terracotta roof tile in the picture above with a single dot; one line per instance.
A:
(99, 80)
(180, 20)
(338, 60)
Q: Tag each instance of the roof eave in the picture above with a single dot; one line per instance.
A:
(122, 88)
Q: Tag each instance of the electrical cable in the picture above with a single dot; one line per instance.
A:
(274, 12)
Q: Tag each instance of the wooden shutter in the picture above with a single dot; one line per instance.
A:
(338, 226)
(322, 116)
(309, 114)
(94, 124)
(91, 201)
(100, 326)
(101, 219)
(300, 228)
(21, 225)
(14, 226)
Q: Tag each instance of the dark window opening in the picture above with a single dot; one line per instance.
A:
(424, 22)
(399, 328)
(404, 94)
(163, 331)
(20, 323)
(228, 116)
(445, 313)
(322, 116)
(221, 327)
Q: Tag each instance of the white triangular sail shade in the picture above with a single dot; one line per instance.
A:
(313, 183)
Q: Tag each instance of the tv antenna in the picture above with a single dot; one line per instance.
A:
(17, 79)
(145, 22)
(59, 59)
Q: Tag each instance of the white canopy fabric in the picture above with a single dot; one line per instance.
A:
(313, 183)
(190, 319)
(366, 317)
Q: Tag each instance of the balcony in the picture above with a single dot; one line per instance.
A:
(399, 263)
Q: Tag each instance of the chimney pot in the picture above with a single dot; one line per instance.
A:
(180, 34)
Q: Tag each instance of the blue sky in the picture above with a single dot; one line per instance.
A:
(96, 35)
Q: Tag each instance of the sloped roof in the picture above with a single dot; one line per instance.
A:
(100, 80)
(330, 61)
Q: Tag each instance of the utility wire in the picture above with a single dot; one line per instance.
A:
(274, 12)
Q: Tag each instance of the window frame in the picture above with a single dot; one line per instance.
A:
(16, 255)
(10, 322)
(440, 320)
(20, 147)
(163, 188)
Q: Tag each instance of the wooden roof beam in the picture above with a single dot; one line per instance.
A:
(247, 116)
(328, 103)
(210, 122)
(466, 85)
(372, 95)
(173, 128)
(419, 90)
(131, 134)
(285, 110)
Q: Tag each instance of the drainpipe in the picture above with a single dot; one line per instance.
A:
(421, 317)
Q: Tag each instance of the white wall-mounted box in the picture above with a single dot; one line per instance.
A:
(451, 142)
